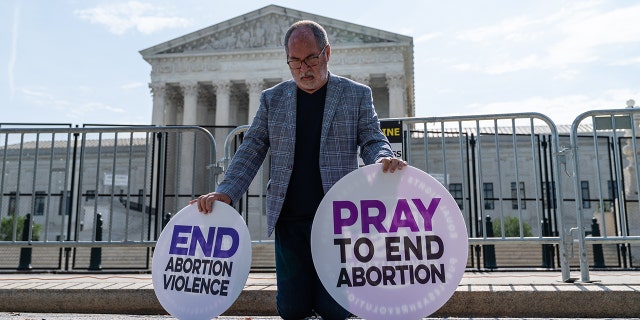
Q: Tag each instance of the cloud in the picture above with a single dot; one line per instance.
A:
(86, 108)
(121, 17)
(511, 30)
(133, 85)
(14, 49)
(562, 109)
(518, 64)
(64, 108)
(627, 62)
(574, 35)
(41, 97)
(587, 33)
(428, 36)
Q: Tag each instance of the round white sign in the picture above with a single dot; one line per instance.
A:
(201, 262)
(389, 245)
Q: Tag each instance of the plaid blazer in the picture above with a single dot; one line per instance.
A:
(349, 122)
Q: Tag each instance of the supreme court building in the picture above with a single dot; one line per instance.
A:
(214, 76)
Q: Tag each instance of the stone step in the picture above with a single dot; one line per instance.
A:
(508, 255)
(529, 255)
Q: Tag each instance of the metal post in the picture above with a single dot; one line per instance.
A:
(623, 253)
(72, 196)
(474, 189)
(547, 249)
(489, 251)
(25, 253)
(598, 256)
(96, 252)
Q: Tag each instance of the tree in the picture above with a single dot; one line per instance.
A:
(6, 229)
(512, 228)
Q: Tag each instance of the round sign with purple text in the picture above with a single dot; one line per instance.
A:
(389, 245)
(201, 262)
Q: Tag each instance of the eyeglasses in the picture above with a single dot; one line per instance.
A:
(310, 61)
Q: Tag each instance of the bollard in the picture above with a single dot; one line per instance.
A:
(96, 252)
(598, 255)
(547, 249)
(623, 254)
(25, 253)
(489, 251)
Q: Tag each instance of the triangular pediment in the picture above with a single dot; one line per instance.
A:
(265, 28)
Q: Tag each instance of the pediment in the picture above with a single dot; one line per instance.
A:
(264, 29)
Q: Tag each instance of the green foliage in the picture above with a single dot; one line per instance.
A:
(608, 206)
(6, 229)
(511, 228)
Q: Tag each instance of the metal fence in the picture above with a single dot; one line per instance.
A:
(532, 197)
(68, 193)
(502, 171)
(481, 160)
(613, 166)
(513, 178)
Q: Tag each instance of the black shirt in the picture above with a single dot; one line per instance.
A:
(305, 186)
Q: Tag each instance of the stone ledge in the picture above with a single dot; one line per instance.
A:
(542, 304)
(463, 303)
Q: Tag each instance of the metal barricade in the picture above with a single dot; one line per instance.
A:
(113, 188)
(606, 156)
(252, 206)
(488, 163)
(503, 170)
(77, 189)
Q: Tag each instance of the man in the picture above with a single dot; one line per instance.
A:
(313, 125)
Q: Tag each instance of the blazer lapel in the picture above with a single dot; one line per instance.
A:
(334, 91)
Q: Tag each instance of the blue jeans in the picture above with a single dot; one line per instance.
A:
(300, 292)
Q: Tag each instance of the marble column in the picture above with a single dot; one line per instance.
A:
(255, 89)
(223, 113)
(189, 117)
(631, 152)
(158, 91)
(171, 105)
(396, 85)
(159, 117)
(190, 93)
(223, 94)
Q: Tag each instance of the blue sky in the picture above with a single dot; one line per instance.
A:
(78, 61)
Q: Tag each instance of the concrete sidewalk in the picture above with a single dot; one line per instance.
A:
(609, 294)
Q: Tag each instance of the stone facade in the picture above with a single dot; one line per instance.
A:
(214, 76)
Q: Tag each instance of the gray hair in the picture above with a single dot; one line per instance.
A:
(318, 33)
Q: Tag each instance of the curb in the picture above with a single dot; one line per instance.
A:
(598, 302)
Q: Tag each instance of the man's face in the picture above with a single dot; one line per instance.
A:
(302, 45)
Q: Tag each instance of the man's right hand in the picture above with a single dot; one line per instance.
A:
(205, 201)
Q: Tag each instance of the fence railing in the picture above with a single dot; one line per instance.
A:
(531, 196)
(502, 171)
(614, 140)
(512, 176)
(97, 187)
